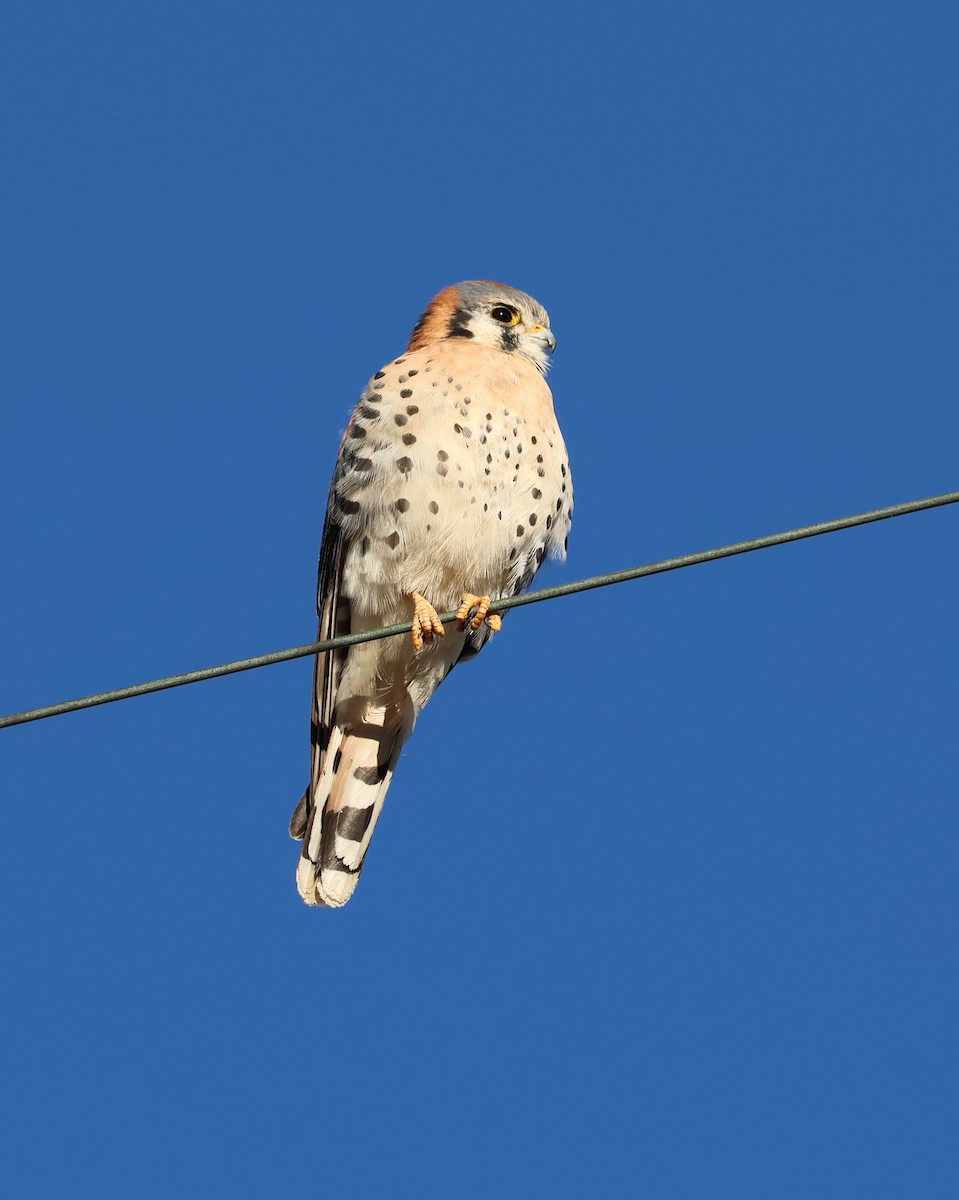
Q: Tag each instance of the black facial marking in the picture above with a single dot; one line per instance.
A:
(509, 340)
(459, 325)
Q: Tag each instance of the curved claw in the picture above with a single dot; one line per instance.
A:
(426, 621)
(481, 604)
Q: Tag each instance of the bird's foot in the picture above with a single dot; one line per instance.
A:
(426, 621)
(481, 603)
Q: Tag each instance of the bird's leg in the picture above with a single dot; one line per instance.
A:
(482, 603)
(426, 621)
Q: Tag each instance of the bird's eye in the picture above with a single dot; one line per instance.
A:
(504, 314)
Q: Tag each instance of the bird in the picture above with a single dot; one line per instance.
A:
(451, 487)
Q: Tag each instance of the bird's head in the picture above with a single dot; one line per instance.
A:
(491, 314)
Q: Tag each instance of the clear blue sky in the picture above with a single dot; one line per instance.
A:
(664, 900)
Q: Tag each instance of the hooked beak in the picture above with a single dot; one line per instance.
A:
(543, 335)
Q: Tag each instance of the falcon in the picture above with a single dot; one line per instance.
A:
(452, 486)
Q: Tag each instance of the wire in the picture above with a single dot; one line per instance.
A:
(565, 589)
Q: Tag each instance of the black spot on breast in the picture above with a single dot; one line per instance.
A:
(540, 472)
(406, 393)
(537, 494)
(562, 469)
(549, 522)
(350, 507)
(364, 546)
(379, 374)
(433, 506)
(442, 455)
(362, 464)
(559, 504)
(533, 440)
(506, 452)
(405, 465)
(401, 418)
(393, 540)
(539, 458)
(442, 469)
(413, 371)
(368, 412)
(532, 518)
(402, 505)
(357, 431)
(412, 409)
(408, 439)
(512, 554)
(457, 428)
(520, 530)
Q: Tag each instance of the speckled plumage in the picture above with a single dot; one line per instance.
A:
(452, 477)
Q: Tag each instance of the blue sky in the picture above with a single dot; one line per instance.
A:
(663, 902)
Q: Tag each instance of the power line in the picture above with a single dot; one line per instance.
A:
(565, 589)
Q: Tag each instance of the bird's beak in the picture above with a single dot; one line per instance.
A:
(541, 334)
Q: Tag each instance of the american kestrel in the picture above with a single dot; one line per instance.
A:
(452, 486)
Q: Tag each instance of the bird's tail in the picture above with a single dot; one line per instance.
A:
(338, 813)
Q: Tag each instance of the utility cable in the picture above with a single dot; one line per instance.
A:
(552, 593)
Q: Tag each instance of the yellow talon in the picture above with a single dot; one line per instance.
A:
(481, 603)
(426, 621)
